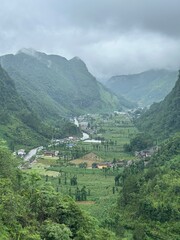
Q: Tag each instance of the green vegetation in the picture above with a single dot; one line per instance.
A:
(139, 201)
(148, 206)
(101, 193)
(33, 210)
(143, 88)
(19, 125)
(55, 87)
(163, 119)
(139, 142)
(135, 200)
(113, 130)
(99, 185)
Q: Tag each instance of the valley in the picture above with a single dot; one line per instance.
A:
(96, 168)
(94, 163)
(89, 120)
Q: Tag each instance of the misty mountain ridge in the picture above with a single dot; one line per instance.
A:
(163, 119)
(144, 88)
(18, 123)
(54, 86)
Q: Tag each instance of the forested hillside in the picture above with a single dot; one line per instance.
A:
(143, 88)
(148, 205)
(19, 125)
(163, 119)
(55, 87)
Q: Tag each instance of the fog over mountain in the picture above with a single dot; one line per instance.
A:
(55, 87)
(143, 88)
(112, 36)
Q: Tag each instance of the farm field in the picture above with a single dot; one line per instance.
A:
(99, 184)
(114, 130)
(94, 189)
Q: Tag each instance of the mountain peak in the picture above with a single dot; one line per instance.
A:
(77, 59)
(28, 51)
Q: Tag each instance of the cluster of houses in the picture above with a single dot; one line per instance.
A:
(120, 163)
(67, 140)
(147, 152)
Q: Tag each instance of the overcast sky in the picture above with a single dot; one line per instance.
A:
(111, 36)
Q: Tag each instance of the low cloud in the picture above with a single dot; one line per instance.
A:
(111, 36)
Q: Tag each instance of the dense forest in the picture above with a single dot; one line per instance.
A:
(148, 205)
(20, 125)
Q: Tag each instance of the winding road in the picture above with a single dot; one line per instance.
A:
(31, 154)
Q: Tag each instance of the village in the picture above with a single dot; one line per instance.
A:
(93, 149)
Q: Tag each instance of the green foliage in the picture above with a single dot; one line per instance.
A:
(148, 206)
(32, 210)
(55, 231)
(163, 119)
(55, 87)
(19, 125)
(83, 165)
(138, 143)
(7, 163)
(17, 122)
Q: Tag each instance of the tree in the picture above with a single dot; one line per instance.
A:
(83, 165)
(54, 231)
(138, 143)
(7, 163)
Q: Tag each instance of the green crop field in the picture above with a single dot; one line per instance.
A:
(101, 193)
(99, 185)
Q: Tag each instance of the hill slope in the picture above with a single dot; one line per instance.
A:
(18, 124)
(163, 119)
(148, 206)
(54, 86)
(144, 88)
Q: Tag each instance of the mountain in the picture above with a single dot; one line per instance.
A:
(144, 88)
(19, 125)
(163, 119)
(54, 86)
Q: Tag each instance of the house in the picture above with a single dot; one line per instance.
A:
(120, 163)
(21, 153)
(83, 125)
(104, 165)
(147, 152)
(70, 145)
(49, 153)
